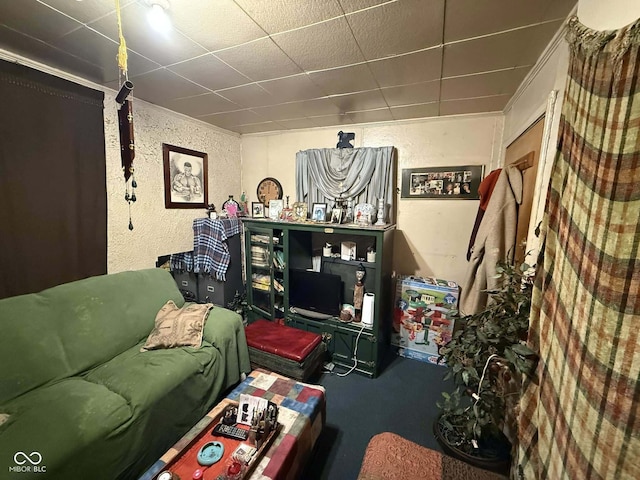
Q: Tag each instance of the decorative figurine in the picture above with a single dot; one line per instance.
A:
(380, 212)
(358, 293)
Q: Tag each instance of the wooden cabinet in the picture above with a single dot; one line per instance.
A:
(273, 248)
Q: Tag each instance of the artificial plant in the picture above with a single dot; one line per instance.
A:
(486, 358)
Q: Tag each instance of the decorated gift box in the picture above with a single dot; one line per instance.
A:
(422, 320)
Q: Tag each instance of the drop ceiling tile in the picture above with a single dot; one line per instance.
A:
(298, 123)
(409, 94)
(483, 84)
(321, 46)
(350, 6)
(42, 52)
(257, 127)
(381, 115)
(398, 27)
(474, 105)
(229, 119)
(209, 71)
(360, 101)
(406, 69)
(495, 52)
(470, 18)
(214, 25)
(283, 111)
(319, 107)
(558, 9)
(329, 120)
(35, 19)
(93, 47)
(88, 11)
(161, 86)
(355, 78)
(165, 49)
(415, 111)
(259, 60)
(248, 96)
(201, 105)
(296, 87)
(288, 14)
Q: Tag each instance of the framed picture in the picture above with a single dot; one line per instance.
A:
(275, 209)
(442, 182)
(257, 209)
(319, 212)
(336, 215)
(300, 211)
(185, 177)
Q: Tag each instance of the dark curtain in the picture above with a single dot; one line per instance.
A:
(53, 206)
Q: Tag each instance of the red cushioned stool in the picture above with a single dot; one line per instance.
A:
(286, 350)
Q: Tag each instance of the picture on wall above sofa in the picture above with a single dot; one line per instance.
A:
(185, 177)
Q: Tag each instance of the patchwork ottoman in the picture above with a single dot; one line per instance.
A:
(289, 351)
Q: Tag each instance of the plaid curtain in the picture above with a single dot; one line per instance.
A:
(579, 415)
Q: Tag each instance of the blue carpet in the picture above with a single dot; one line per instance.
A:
(401, 400)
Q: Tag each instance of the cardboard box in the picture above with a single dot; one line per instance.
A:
(422, 321)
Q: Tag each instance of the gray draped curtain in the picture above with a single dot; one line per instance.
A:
(363, 174)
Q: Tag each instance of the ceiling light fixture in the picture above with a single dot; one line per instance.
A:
(157, 16)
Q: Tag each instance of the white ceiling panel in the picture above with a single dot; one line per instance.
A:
(161, 85)
(470, 18)
(474, 105)
(296, 87)
(209, 71)
(512, 49)
(484, 84)
(321, 46)
(350, 6)
(355, 78)
(405, 69)
(251, 95)
(399, 27)
(381, 115)
(258, 127)
(415, 111)
(35, 19)
(230, 119)
(200, 105)
(289, 14)
(409, 94)
(85, 11)
(259, 60)
(214, 24)
(360, 101)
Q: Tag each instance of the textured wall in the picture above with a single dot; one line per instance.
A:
(158, 231)
(432, 235)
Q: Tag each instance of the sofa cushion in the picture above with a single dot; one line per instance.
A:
(71, 328)
(60, 420)
(178, 327)
(142, 378)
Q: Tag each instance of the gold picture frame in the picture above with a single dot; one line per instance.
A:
(300, 210)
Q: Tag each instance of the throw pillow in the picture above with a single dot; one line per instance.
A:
(178, 327)
(3, 418)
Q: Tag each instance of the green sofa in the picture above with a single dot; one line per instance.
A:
(78, 400)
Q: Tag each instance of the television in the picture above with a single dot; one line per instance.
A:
(314, 294)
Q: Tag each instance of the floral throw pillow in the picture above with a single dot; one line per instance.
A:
(178, 327)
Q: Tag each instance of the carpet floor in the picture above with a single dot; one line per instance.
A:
(401, 400)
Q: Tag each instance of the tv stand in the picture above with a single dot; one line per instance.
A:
(272, 248)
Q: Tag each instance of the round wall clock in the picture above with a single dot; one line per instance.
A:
(269, 189)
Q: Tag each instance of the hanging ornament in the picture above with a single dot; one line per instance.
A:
(125, 120)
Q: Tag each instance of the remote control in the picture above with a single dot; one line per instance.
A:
(230, 431)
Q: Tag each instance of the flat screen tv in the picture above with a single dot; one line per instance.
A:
(315, 294)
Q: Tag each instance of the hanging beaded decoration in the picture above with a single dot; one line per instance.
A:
(125, 121)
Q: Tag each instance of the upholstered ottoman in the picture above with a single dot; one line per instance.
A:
(289, 351)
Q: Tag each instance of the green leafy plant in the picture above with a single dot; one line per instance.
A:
(486, 358)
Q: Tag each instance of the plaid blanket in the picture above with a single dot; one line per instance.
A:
(210, 252)
(580, 416)
(181, 262)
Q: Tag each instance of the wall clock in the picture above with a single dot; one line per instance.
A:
(269, 189)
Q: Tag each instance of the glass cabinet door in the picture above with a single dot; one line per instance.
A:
(265, 271)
